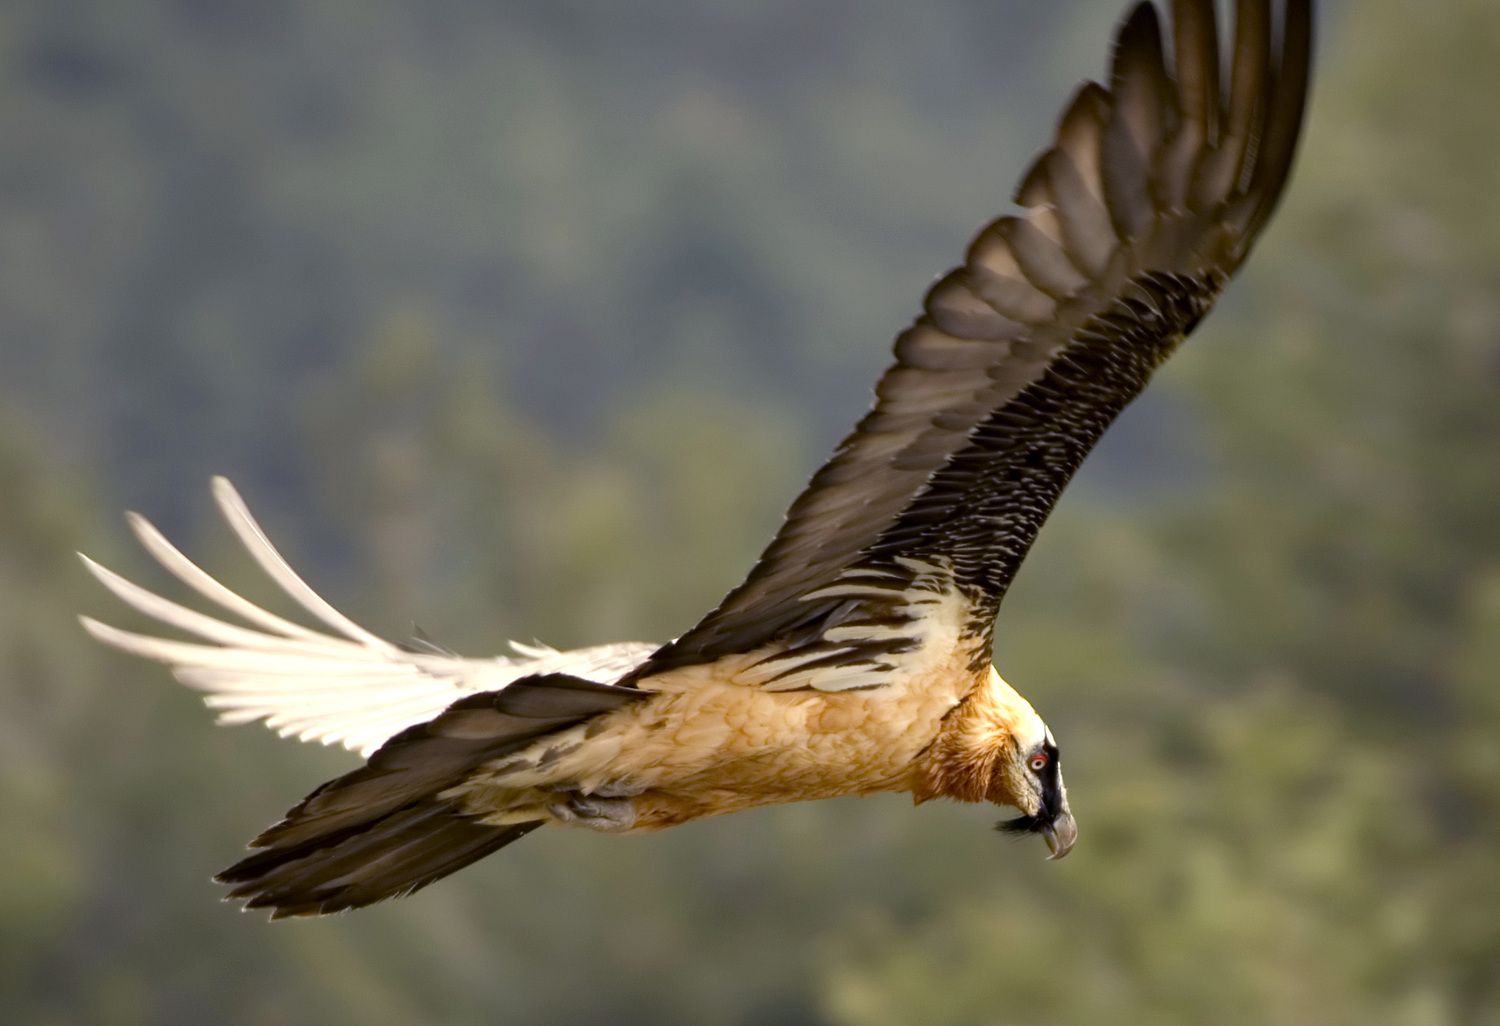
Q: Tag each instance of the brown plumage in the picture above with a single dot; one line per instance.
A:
(855, 657)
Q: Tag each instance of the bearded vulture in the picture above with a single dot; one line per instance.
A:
(856, 656)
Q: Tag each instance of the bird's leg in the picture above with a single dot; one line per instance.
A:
(609, 807)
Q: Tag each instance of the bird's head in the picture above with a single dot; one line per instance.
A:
(995, 748)
(1033, 784)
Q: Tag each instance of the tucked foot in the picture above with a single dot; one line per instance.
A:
(595, 811)
(617, 789)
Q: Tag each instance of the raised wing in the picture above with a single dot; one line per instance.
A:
(1148, 201)
(342, 685)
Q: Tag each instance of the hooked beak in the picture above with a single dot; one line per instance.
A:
(1060, 834)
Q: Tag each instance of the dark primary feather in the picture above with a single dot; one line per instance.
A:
(982, 508)
(1146, 204)
(382, 830)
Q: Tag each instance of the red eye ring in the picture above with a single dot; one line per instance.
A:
(1038, 762)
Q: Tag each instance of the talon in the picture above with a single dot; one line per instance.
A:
(595, 812)
(618, 789)
(562, 812)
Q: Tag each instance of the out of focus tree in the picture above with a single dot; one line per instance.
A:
(382, 264)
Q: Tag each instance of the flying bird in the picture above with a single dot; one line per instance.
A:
(856, 656)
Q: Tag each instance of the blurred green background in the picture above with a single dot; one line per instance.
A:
(527, 319)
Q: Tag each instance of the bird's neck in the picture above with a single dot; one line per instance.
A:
(971, 756)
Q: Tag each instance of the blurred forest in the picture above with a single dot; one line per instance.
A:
(527, 319)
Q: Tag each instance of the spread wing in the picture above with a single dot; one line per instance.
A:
(342, 685)
(1149, 199)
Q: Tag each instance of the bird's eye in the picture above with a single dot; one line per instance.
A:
(1038, 762)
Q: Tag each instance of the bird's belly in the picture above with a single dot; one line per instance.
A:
(716, 747)
(706, 744)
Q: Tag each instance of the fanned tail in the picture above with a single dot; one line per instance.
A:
(425, 717)
(338, 685)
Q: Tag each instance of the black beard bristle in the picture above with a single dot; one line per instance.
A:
(1020, 825)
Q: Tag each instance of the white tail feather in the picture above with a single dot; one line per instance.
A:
(351, 688)
(190, 574)
(279, 570)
